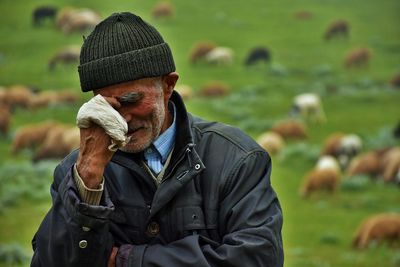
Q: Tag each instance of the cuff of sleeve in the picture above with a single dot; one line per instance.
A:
(88, 195)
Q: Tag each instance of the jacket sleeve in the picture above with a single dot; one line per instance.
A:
(72, 233)
(250, 220)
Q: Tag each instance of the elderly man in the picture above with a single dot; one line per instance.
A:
(179, 191)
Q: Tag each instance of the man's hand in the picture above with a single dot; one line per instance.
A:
(94, 153)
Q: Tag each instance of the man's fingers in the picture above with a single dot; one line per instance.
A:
(111, 260)
(113, 102)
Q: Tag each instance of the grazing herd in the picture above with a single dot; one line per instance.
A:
(341, 156)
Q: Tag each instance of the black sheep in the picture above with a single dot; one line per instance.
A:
(258, 54)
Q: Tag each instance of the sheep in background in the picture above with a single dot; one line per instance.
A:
(337, 28)
(325, 176)
(30, 136)
(390, 165)
(309, 107)
(17, 96)
(163, 10)
(66, 55)
(77, 20)
(200, 50)
(290, 129)
(184, 90)
(343, 147)
(303, 15)
(396, 131)
(258, 54)
(272, 142)
(59, 142)
(220, 56)
(215, 89)
(42, 13)
(395, 81)
(49, 97)
(5, 118)
(378, 228)
(358, 57)
(367, 163)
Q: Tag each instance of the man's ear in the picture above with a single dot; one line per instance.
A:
(170, 81)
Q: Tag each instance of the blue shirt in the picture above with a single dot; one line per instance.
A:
(158, 152)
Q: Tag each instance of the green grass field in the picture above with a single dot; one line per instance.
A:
(317, 231)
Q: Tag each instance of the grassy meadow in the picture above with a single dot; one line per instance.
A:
(317, 231)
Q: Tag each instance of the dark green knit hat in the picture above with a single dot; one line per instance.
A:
(123, 48)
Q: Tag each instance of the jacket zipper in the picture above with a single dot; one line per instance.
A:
(187, 151)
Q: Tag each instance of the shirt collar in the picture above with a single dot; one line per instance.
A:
(165, 142)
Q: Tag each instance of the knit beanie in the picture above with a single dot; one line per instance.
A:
(123, 48)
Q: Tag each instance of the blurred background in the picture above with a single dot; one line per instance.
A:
(317, 83)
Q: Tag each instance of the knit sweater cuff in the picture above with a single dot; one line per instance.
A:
(88, 195)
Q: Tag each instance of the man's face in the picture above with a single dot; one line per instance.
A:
(143, 106)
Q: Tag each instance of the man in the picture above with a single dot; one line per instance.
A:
(181, 192)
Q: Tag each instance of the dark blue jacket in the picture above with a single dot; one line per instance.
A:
(215, 207)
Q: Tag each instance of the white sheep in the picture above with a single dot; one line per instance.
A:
(220, 55)
(309, 107)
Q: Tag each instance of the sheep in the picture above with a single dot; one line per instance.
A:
(220, 56)
(42, 13)
(379, 228)
(272, 142)
(358, 57)
(77, 20)
(30, 136)
(290, 129)
(46, 98)
(65, 55)
(337, 28)
(343, 147)
(258, 54)
(200, 50)
(59, 142)
(303, 14)
(395, 80)
(309, 107)
(215, 89)
(317, 180)
(390, 165)
(185, 91)
(325, 176)
(163, 10)
(5, 118)
(396, 131)
(17, 96)
(367, 163)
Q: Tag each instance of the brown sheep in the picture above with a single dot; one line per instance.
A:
(46, 98)
(163, 10)
(30, 136)
(390, 165)
(17, 96)
(303, 15)
(290, 129)
(5, 118)
(320, 179)
(215, 89)
(59, 142)
(272, 142)
(379, 228)
(358, 57)
(200, 50)
(367, 163)
(66, 55)
(337, 28)
(185, 91)
(395, 81)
